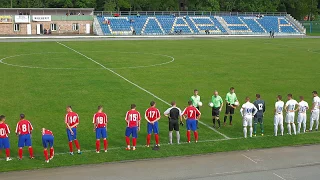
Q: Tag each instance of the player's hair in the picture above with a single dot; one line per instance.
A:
(22, 116)
(301, 97)
(258, 96)
(190, 102)
(173, 103)
(133, 106)
(69, 107)
(289, 95)
(2, 117)
(247, 98)
(152, 103)
(279, 97)
(314, 92)
(100, 107)
(232, 88)
(195, 90)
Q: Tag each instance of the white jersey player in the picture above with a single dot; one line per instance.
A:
(302, 114)
(315, 110)
(248, 110)
(291, 107)
(278, 116)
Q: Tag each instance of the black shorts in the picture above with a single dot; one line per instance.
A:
(174, 125)
(229, 110)
(215, 112)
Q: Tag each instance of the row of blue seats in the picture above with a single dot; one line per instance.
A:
(189, 24)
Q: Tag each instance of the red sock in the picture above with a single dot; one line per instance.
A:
(51, 152)
(195, 135)
(8, 152)
(45, 152)
(76, 142)
(148, 139)
(156, 136)
(98, 145)
(70, 146)
(31, 152)
(134, 141)
(105, 144)
(128, 141)
(20, 153)
(188, 135)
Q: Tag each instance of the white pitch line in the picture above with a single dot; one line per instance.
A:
(136, 85)
(249, 158)
(279, 176)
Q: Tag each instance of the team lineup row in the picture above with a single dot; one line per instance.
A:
(249, 112)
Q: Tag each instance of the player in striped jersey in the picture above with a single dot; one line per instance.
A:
(23, 131)
(99, 121)
(4, 139)
(47, 138)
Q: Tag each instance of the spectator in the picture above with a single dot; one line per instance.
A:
(20, 13)
(67, 14)
(79, 14)
(134, 32)
(138, 14)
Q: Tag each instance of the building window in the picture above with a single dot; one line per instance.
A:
(53, 27)
(75, 27)
(16, 27)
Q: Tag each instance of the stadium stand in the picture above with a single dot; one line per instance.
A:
(167, 24)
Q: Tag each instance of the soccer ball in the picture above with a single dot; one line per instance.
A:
(200, 104)
(236, 103)
(210, 104)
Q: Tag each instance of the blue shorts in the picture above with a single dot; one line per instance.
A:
(47, 139)
(191, 124)
(153, 127)
(24, 140)
(132, 131)
(70, 136)
(101, 133)
(4, 143)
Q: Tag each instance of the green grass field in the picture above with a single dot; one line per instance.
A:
(64, 77)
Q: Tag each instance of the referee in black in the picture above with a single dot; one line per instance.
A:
(174, 114)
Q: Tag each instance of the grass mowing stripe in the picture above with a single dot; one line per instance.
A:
(225, 136)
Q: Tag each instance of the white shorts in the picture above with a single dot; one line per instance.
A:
(290, 117)
(314, 115)
(247, 121)
(302, 118)
(278, 119)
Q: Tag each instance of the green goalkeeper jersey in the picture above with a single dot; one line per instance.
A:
(195, 100)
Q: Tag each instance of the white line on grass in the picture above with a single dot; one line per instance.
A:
(225, 136)
(249, 158)
(279, 176)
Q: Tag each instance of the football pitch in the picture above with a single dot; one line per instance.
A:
(41, 78)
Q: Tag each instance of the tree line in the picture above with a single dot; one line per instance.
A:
(297, 8)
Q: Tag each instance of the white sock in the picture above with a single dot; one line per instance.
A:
(299, 127)
(282, 129)
(251, 129)
(245, 132)
(178, 137)
(170, 137)
(311, 124)
(275, 130)
(304, 127)
(294, 129)
(317, 124)
(289, 128)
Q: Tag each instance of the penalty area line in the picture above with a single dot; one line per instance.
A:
(141, 88)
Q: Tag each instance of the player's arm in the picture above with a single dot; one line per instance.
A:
(158, 115)
(221, 101)
(146, 116)
(297, 108)
(17, 129)
(94, 123)
(166, 113)
(313, 105)
(241, 111)
(286, 107)
(184, 114)
(198, 114)
(139, 121)
(255, 110)
(264, 107)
